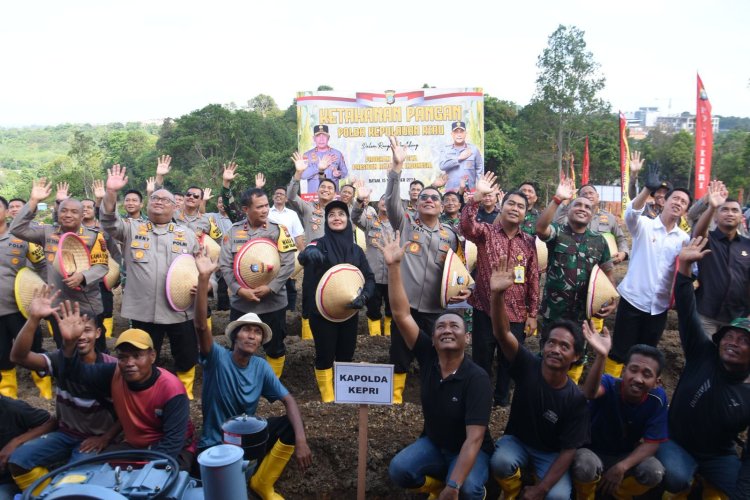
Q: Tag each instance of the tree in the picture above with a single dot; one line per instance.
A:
(323, 88)
(263, 104)
(567, 86)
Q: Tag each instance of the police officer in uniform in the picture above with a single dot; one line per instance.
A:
(323, 161)
(312, 213)
(149, 248)
(81, 286)
(267, 301)
(422, 267)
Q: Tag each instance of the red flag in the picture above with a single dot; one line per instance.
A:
(624, 162)
(585, 174)
(704, 141)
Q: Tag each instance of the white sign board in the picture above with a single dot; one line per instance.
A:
(363, 383)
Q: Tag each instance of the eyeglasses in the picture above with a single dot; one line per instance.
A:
(433, 197)
(159, 199)
(197, 196)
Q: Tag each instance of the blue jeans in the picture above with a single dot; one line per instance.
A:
(422, 458)
(8, 491)
(48, 450)
(719, 470)
(511, 454)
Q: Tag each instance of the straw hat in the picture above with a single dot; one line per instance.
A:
(541, 254)
(248, 319)
(336, 289)
(181, 278)
(360, 238)
(611, 243)
(212, 247)
(471, 255)
(601, 291)
(257, 263)
(26, 282)
(297, 265)
(112, 278)
(72, 255)
(455, 278)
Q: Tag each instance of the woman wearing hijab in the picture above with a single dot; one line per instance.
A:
(333, 341)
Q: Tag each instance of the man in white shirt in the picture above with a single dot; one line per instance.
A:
(281, 214)
(646, 290)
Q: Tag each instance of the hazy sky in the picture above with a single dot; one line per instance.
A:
(103, 61)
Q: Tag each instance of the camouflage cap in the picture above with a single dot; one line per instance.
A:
(740, 323)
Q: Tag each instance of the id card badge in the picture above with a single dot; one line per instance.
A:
(519, 273)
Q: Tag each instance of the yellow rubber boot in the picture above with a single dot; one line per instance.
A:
(585, 491)
(711, 492)
(683, 495)
(109, 324)
(575, 372)
(511, 486)
(387, 326)
(612, 367)
(44, 384)
(399, 382)
(374, 326)
(277, 365)
(306, 330)
(431, 486)
(630, 488)
(598, 323)
(325, 384)
(9, 383)
(25, 480)
(269, 471)
(49, 329)
(188, 379)
(210, 325)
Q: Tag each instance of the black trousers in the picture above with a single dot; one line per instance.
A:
(222, 301)
(10, 326)
(182, 341)
(291, 295)
(484, 344)
(333, 341)
(378, 298)
(633, 326)
(400, 355)
(274, 348)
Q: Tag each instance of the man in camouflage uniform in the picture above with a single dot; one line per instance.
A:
(528, 225)
(573, 251)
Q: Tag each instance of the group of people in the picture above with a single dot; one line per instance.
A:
(615, 434)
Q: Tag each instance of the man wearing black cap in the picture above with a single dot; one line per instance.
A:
(461, 159)
(323, 161)
(711, 404)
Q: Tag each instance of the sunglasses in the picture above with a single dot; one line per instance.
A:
(193, 195)
(433, 197)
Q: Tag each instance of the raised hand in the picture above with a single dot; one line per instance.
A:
(203, 262)
(695, 250)
(600, 342)
(62, 191)
(116, 178)
(363, 192)
(260, 180)
(229, 173)
(440, 181)
(70, 321)
(98, 188)
(41, 303)
(326, 162)
(398, 152)
(300, 163)
(207, 194)
(636, 163)
(163, 165)
(565, 189)
(717, 193)
(40, 189)
(150, 185)
(393, 252)
(502, 276)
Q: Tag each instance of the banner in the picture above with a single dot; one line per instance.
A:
(624, 162)
(585, 166)
(443, 130)
(704, 141)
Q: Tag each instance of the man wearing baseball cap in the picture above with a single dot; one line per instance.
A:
(323, 161)
(711, 404)
(461, 159)
(150, 402)
(233, 382)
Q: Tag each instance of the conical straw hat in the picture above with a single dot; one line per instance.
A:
(340, 285)
(471, 256)
(612, 243)
(181, 278)
(26, 282)
(455, 278)
(541, 254)
(601, 291)
(212, 247)
(257, 263)
(360, 238)
(297, 265)
(72, 256)
(112, 278)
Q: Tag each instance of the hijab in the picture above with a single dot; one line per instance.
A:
(339, 244)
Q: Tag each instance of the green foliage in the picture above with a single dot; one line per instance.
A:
(731, 159)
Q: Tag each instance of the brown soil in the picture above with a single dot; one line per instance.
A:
(332, 429)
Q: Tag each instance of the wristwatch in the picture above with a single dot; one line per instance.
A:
(450, 483)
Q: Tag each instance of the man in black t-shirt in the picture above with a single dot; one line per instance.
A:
(452, 454)
(549, 418)
(711, 404)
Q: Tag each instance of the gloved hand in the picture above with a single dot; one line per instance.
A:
(652, 179)
(312, 256)
(359, 302)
